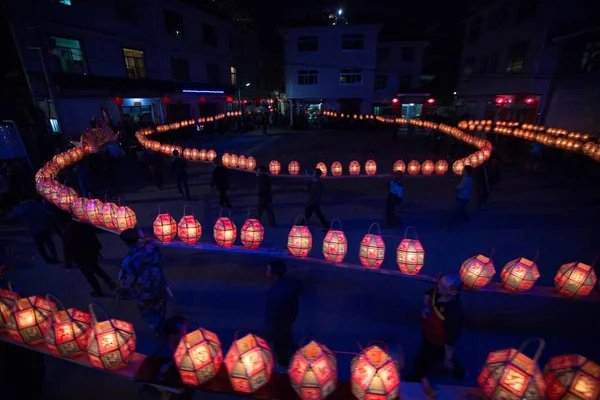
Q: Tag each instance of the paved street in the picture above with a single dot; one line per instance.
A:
(225, 292)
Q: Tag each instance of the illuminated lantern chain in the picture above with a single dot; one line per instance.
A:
(519, 274)
(458, 167)
(336, 168)
(575, 279)
(323, 168)
(78, 208)
(477, 271)
(250, 163)
(29, 319)
(226, 159)
(572, 377)
(428, 167)
(124, 218)
(112, 343)
(414, 167)
(55, 189)
(211, 155)
(441, 167)
(299, 240)
(399, 166)
(242, 162)
(313, 371)
(68, 333)
(165, 227)
(203, 155)
(252, 233)
(510, 374)
(274, 167)
(8, 297)
(93, 211)
(370, 167)
(66, 197)
(233, 161)
(335, 245)
(372, 249)
(354, 167)
(249, 363)
(189, 229)
(294, 167)
(374, 375)
(109, 211)
(410, 254)
(224, 231)
(198, 357)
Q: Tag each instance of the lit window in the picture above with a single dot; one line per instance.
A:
(233, 75)
(65, 2)
(308, 77)
(70, 55)
(351, 76)
(54, 125)
(134, 62)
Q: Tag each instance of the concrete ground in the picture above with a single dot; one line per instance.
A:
(225, 291)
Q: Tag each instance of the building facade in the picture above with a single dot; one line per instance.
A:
(131, 61)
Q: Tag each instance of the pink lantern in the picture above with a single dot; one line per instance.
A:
(321, 165)
(165, 227)
(108, 214)
(66, 197)
(124, 218)
(372, 249)
(93, 211)
(335, 244)
(299, 240)
(78, 208)
(224, 231)
(252, 233)
(410, 254)
(189, 229)
(477, 271)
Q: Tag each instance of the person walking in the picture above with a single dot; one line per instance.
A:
(315, 193)
(265, 196)
(220, 180)
(283, 299)
(178, 168)
(482, 184)
(394, 199)
(81, 246)
(442, 321)
(39, 221)
(463, 194)
(155, 167)
(142, 278)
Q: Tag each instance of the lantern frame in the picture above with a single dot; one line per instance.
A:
(354, 168)
(66, 197)
(579, 282)
(93, 210)
(108, 214)
(242, 161)
(520, 274)
(370, 165)
(29, 330)
(313, 371)
(226, 159)
(164, 226)
(8, 297)
(323, 167)
(336, 168)
(399, 166)
(78, 208)
(299, 241)
(572, 376)
(458, 167)
(335, 244)
(222, 227)
(189, 224)
(199, 362)
(68, 333)
(371, 251)
(481, 275)
(372, 362)
(274, 167)
(210, 155)
(413, 168)
(294, 167)
(250, 163)
(252, 233)
(427, 168)
(124, 217)
(410, 254)
(233, 160)
(441, 167)
(252, 355)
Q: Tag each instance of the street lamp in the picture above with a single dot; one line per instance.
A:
(240, 94)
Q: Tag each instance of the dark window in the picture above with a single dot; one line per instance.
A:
(174, 23)
(493, 63)
(209, 35)
(383, 53)
(590, 61)
(527, 10)
(212, 73)
(180, 67)
(405, 81)
(308, 43)
(474, 30)
(125, 10)
(351, 76)
(468, 66)
(381, 82)
(353, 42)
(308, 77)
(516, 57)
(484, 65)
(408, 54)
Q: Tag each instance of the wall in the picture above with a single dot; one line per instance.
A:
(76, 113)
(575, 104)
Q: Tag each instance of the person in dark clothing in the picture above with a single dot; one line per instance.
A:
(483, 186)
(178, 167)
(220, 180)
(81, 246)
(281, 311)
(265, 196)
(155, 167)
(442, 323)
(315, 192)
(394, 198)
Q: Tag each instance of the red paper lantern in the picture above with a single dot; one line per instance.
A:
(572, 377)
(93, 211)
(211, 155)
(458, 167)
(109, 211)
(252, 234)
(354, 168)
(250, 163)
(313, 371)
(203, 154)
(322, 167)
(414, 167)
(274, 167)
(335, 245)
(224, 231)
(226, 159)
(477, 271)
(242, 162)
(165, 227)
(249, 363)
(370, 167)
(28, 320)
(233, 161)
(410, 254)
(66, 197)
(519, 275)
(575, 279)
(189, 229)
(372, 249)
(112, 342)
(374, 375)
(165, 99)
(427, 167)
(336, 168)
(299, 240)
(8, 297)
(195, 155)
(55, 189)
(124, 218)
(60, 160)
(68, 333)
(198, 357)
(78, 208)
(118, 100)
(187, 154)
(294, 167)
(510, 374)
(441, 167)
(399, 166)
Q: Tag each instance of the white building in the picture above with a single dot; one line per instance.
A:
(344, 68)
(137, 60)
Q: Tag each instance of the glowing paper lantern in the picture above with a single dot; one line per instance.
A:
(335, 245)
(187, 154)
(374, 375)
(323, 168)
(124, 218)
(93, 211)
(399, 166)
(299, 240)
(203, 155)
(414, 167)
(313, 371)
(198, 357)
(28, 320)
(354, 168)
(66, 197)
(294, 167)
(336, 168)
(109, 211)
(441, 167)
(195, 155)
(252, 234)
(572, 377)
(226, 159)
(370, 167)
(410, 254)
(519, 274)
(189, 229)
(474, 160)
(428, 167)
(458, 167)
(250, 163)
(211, 155)
(274, 167)
(233, 161)
(372, 249)
(249, 363)
(68, 333)
(477, 271)
(55, 189)
(242, 162)
(78, 208)
(8, 297)
(224, 231)
(112, 342)
(510, 374)
(575, 279)
(59, 159)
(165, 227)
